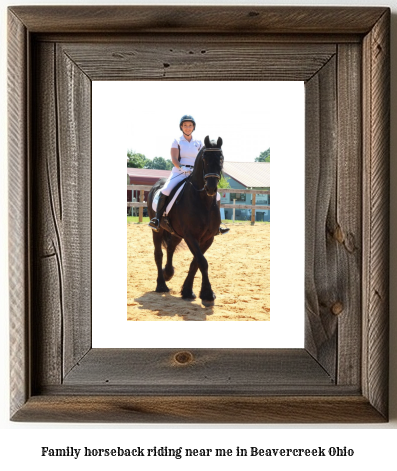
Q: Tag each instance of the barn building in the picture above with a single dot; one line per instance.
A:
(142, 176)
(250, 175)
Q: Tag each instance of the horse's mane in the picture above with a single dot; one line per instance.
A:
(201, 152)
(199, 161)
(199, 155)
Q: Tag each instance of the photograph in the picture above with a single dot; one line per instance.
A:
(191, 187)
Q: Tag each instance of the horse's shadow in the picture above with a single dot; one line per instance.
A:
(172, 305)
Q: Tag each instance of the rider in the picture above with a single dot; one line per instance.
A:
(183, 154)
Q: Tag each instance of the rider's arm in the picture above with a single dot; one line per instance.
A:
(174, 157)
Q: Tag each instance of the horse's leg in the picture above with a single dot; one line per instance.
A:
(199, 262)
(187, 287)
(168, 271)
(158, 257)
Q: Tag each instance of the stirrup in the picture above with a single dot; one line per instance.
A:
(223, 230)
(154, 224)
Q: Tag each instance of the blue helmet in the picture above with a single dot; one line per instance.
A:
(187, 117)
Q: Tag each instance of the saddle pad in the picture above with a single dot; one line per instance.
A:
(171, 203)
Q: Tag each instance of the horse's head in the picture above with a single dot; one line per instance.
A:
(212, 158)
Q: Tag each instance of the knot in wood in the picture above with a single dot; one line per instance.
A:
(338, 235)
(337, 308)
(183, 358)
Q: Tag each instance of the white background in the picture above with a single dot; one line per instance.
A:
(267, 114)
(20, 444)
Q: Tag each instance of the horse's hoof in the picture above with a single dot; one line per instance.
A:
(168, 274)
(208, 303)
(210, 299)
(162, 289)
(187, 294)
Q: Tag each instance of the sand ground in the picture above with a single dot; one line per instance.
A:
(239, 271)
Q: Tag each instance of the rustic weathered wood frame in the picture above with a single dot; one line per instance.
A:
(343, 56)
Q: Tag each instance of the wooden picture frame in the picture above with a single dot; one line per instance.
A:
(342, 54)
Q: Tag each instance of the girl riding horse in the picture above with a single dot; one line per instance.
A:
(183, 155)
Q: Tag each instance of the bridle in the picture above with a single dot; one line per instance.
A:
(209, 175)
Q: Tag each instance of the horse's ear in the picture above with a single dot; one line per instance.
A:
(220, 142)
(207, 141)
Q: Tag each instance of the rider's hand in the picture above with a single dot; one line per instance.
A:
(185, 170)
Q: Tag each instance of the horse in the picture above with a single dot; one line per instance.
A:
(194, 218)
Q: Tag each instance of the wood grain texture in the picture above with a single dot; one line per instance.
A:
(18, 213)
(376, 92)
(47, 277)
(321, 277)
(221, 369)
(199, 19)
(341, 375)
(195, 39)
(62, 205)
(73, 90)
(198, 409)
(216, 59)
(347, 225)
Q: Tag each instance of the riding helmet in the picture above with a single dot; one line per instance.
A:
(187, 117)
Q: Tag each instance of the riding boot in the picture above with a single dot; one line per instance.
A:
(155, 222)
(222, 230)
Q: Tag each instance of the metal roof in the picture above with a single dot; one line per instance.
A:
(146, 176)
(249, 174)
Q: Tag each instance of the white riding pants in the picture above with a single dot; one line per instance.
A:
(175, 177)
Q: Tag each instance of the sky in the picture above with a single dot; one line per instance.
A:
(146, 114)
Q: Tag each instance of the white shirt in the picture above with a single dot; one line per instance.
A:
(189, 150)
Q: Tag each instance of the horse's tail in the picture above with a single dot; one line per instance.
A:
(166, 239)
(150, 197)
(172, 240)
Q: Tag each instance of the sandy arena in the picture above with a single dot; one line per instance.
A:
(239, 271)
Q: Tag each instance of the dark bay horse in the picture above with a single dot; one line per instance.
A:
(194, 218)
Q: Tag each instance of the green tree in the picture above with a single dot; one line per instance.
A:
(263, 156)
(135, 160)
(149, 163)
(223, 182)
(169, 164)
(160, 163)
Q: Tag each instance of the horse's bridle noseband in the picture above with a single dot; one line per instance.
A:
(212, 175)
